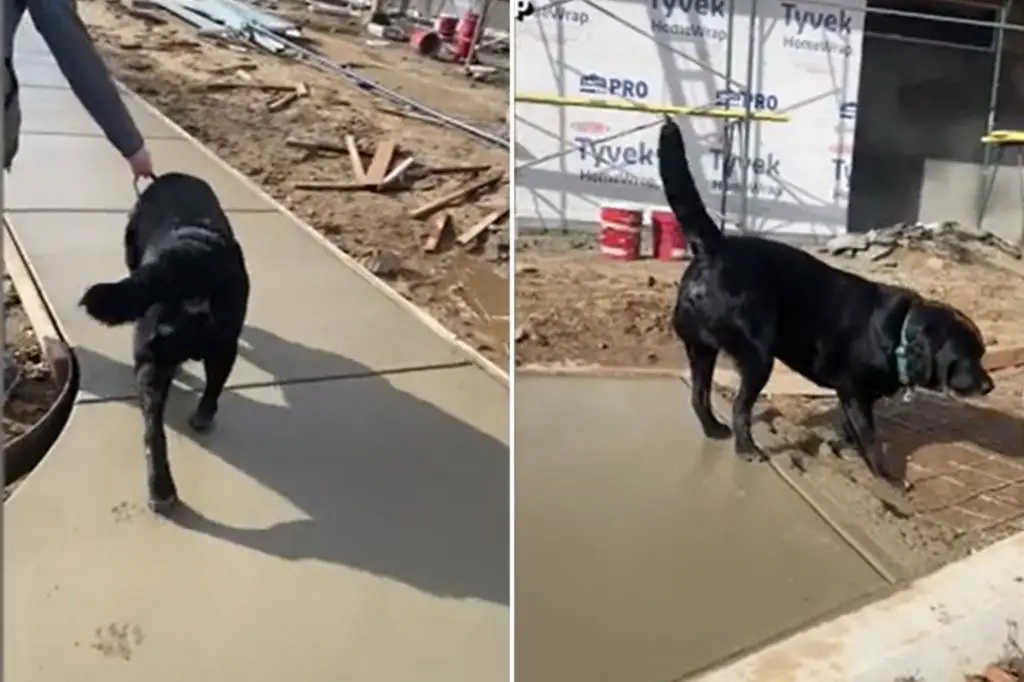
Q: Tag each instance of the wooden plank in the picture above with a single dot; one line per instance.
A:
(1003, 358)
(440, 232)
(381, 161)
(319, 185)
(315, 145)
(444, 170)
(483, 224)
(396, 172)
(355, 158)
(442, 201)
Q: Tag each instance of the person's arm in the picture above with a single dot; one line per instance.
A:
(60, 26)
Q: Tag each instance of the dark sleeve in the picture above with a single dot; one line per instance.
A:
(60, 26)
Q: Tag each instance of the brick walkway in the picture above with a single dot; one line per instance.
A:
(966, 460)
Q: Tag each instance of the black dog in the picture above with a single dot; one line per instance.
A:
(758, 300)
(187, 293)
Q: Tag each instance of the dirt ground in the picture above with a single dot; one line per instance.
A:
(35, 389)
(1009, 670)
(966, 464)
(574, 309)
(170, 67)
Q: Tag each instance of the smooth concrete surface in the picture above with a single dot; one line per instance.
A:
(644, 552)
(945, 626)
(45, 110)
(352, 528)
(309, 316)
(71, 165)
(70, 162)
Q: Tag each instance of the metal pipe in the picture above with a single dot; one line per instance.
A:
(988, 177)
(378, 89)
(723, 203)
(746, 120)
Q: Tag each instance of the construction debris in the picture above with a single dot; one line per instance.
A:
(457, 195)
(396, 175)
(355, 157)
(383, 263)
(439, 237)
(487, 222)
(381, 161)
(286, 100)
(948, 239)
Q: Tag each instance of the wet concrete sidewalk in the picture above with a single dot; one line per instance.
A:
(645, 552)
(348, 519)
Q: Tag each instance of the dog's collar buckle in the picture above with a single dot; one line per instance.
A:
(902, 370)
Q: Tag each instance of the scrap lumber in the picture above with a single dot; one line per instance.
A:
(285, 100)
(381, 161)
(457, 195)
(354, 157)
(320, 186)
(247, 85)
(485, 223)
(440, 232)
(447, 170)
(396, 173)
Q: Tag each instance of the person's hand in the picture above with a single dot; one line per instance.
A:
(141, 164)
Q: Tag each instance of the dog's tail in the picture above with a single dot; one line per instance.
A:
(681, 191)
(114, 303)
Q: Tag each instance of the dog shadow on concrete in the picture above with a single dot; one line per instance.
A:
(391, 483)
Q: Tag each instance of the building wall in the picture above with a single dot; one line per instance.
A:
(922, 110)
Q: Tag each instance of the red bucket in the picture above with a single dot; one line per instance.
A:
(464, 32)
(620, 233)
(445, 25)
(425, 42)
(669, 242)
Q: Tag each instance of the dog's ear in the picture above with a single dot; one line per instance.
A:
(918, 353)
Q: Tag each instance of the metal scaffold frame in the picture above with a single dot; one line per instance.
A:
(743, 118)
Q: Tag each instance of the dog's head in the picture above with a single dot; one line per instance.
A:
(942, 351)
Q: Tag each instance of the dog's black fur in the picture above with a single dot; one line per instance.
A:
(187, 293)
(758, 300)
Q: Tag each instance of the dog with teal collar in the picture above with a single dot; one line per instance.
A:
(760, 301)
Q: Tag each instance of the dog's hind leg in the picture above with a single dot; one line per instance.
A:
(755, 368)
(154, 385)
(217, 368)
(702, 359)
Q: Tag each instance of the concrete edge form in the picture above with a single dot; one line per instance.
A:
(492, 369)
(24, 453)
(954, 621)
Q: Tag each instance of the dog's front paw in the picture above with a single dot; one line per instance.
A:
(163, 505)
(201, 422)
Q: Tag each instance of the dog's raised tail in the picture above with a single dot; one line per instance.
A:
(681, 192)
(121, 302)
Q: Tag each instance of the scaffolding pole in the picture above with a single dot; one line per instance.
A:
(988, 172)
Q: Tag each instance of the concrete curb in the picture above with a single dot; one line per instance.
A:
(433, 323)
(952, 622)
(25, 452)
